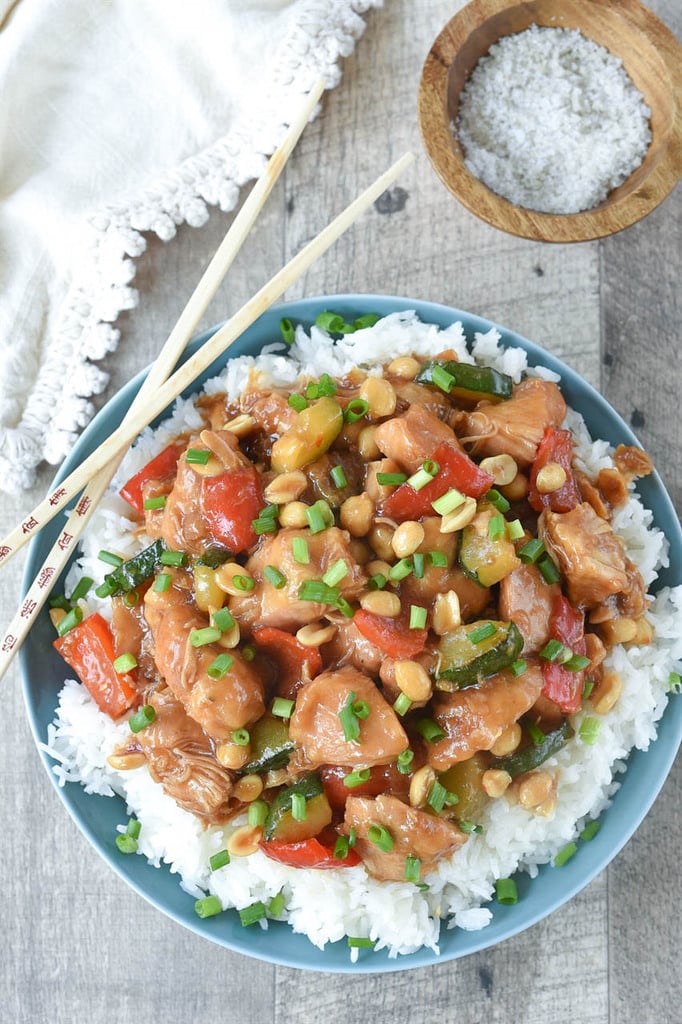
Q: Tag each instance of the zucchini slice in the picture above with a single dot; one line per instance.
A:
(465, 659)
(281, 824)
(137, 570)
(270, 745)
(470, 383)
(484, 559)
(531, 757)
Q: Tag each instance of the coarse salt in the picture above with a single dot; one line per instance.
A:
(551, 121)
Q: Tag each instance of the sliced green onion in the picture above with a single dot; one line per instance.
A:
(417, 617)
(241, 737)
(402, 705)
(258, 812)
(282, 708)
(175, 558)
(515, 530)
(420, 479)
(441, 378)
(418, 562)
(361, 709)
(223, 620)
(124, 663)
(531, 551)
(565, 854)
(110, 558)
(152, 504)
(674, 683)
(469, 827)
(482, 632)
(207, 635)
(588, 687)
(497, 500)
(404, 761)
(219, 860)
(142, 718)
(367, 320)
(577, 663)
(335, 573)
(70, 621)
(345, 608)
(105, 589)
(519, 667)
(552, 651)
(436, 797)
(126, 843)
(341, 848)
(590, 831)
(162, 583)
(133, 828)
(276, 905)
(427, 728)
(197, 456)
(448, 502)
(61, 601)
(220, 666)
(338, 477)
(496, 527)
(253, 913)
(131, 599)
(298, 807)
(381, 837)
(391, 479)
(506, 891)
(349, 720)
(451, 799)
(297, 402)
(316, 590)
(299, 547)
(357, 942)
(356, 409)
(438, 559)
(377, 582)
(330, 322)
(287, 330)
(81, 589)
(243, 583)
(550, 571)
(589, 731)
(401, 569)
(264, 524)
(319, 516)
(326, 386)
(537, 736)
(412, 869)
(356, 778)
(248, 652)
(274, 576)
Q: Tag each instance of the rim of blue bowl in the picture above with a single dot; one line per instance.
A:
(97, 816)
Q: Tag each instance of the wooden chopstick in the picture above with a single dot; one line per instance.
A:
(159, 372)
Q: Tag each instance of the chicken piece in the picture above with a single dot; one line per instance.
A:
(414, 834)
(132, 635)
(180, 757)
(218, 705)
(267, 606)
(514, 427)
(431, 399)
(349, 647)
(527, 600)
(413, 437)
(318, 730)
(475, 717)
(589, 554)
(473, 598)
(270, 410)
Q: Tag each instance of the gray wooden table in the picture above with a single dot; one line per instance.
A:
(79, 946)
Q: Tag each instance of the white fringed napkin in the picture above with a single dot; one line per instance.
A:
(120, 118)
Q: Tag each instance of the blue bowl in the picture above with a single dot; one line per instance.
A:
(43, 673)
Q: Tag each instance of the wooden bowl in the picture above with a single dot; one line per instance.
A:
(651, 56)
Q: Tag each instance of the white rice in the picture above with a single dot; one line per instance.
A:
(326, 905)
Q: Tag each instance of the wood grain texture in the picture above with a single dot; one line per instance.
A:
(79, 946)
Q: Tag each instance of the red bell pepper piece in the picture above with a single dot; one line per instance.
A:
(308, 853)
(296, 662)
(556, 446)
(382, 777)
(230, 503)
(161, 467)
(393, 636)
(456, 470)
(89, 649)
(561, 685)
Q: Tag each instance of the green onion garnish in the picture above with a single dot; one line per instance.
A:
(515, 530)
(356, 409)
(201, 637)
(298, 807)
(131, 599)
(482, 632)
(105, 589)
(221, 666)
(126, 843)
(142, 718)
(325, 386)
(564, 855)
(276, 905)
(70, 621)
(588, 687)
(496, 527)
(223, 620)
(264, 524)
(418, 564)
(350, 722)
(401, 706)
(436, 797)
(590, 831)
(356, 778)
(441, 378)
(401, 569)
(391, 479)
(552, 651)
(412, 869)
(175, 558)
(274, 576)
(338, 477)
(361, 709)
(519, 667)
(438, 559)
(506, 891)
(197, 456)
(427, 728)
(162, 583)
(316, 590)
(241, 737)
(448, 502)
(61, 601)
(257, 812)
(674, 683)
(255, 912)
(243, 583)
(80, 590)
(377, 582)
(248, 652)
(287, 330)
(299, 547)
(152, 504)
(282, 708)
(110, 558)
(219, 860)
(297, 402)
(381, 837)
(133, 828)
(357, 942)
(531, 551)
(497, 500)
(404, 761)
(589, 731)
(469, 827)
(330, 322)
(345, 608)
(124, 663)
(417, 617)
(536, 734)
(319, 516)
(577, 663)
(367, 320)
(341, 848)
(335, 573)
(549, 570)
